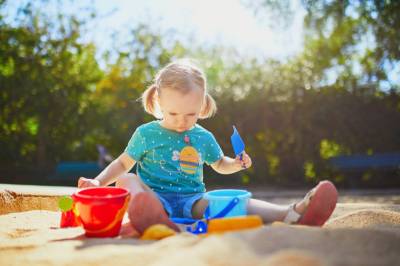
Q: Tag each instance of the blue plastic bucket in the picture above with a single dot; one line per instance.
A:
(219, 199)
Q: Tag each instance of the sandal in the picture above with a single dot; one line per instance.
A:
(320, 203)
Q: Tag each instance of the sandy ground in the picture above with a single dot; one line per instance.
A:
(360, 232)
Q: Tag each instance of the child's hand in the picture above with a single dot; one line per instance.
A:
(245, 162)
(86, 182)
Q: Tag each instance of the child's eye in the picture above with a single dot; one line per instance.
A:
(172, 114)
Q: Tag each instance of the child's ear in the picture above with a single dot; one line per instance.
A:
(158, 112)
(156, 96)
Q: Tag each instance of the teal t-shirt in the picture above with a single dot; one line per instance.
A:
(168, 161)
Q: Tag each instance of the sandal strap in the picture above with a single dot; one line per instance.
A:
(308, 196)
(292, 216)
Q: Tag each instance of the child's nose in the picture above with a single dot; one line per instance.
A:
(182, 121)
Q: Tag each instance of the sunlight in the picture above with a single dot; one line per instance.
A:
(224, 22)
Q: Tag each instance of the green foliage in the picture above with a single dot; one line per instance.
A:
(46, 78)
(309, 171)
(57, 104)
(356, 42)
(329, 149)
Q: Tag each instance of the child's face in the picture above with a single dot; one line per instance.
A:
(180, 111)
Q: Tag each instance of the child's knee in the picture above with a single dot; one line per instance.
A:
(199, 208)
(127, 180)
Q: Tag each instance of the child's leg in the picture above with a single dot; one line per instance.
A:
(199, 208)
(269, 212)
(314, 209)
(145, 209)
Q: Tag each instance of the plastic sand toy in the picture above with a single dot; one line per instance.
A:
(101, 210)
(237, 143)
(232, 201)
(222, 225)
(228, 213)
(68, 216)
(157, 232)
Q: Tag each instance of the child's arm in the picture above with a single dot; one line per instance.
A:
(116, 168)
(227, 165)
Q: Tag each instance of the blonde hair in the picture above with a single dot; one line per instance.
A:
(182, 76)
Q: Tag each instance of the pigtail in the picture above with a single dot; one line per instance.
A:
(209, 107)
(149, 99)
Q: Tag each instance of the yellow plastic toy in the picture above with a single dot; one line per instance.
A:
(157, 232)
(222, 225)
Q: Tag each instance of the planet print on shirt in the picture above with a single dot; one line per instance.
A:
(189, 160)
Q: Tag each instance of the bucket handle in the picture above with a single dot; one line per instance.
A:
(224, 211)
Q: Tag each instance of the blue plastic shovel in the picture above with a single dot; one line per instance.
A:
(237, 143)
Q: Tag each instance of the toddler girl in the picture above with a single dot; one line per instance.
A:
(170, 153)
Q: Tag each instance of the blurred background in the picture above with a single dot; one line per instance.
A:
(312, 86)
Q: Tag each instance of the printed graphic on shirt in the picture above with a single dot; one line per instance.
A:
(188, 158)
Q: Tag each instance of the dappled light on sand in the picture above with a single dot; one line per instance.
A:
(355, 237)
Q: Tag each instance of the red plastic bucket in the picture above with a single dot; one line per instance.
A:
(101, 210)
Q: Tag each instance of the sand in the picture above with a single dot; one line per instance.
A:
(357, 234)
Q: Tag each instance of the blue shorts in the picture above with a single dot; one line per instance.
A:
(179, 204)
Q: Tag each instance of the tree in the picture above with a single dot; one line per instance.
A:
(356, 41)
(46, 77)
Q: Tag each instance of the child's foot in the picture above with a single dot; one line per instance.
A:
(127, 231)
(146, 210)
(316, 207)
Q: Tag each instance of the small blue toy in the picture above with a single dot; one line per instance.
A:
(237, 143)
